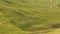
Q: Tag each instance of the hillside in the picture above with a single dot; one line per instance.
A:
(29, 16)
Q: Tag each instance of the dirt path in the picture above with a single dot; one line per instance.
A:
(56, 31)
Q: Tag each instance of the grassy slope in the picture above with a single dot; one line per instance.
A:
(22, 16)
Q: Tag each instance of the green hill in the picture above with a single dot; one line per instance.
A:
(29, 16)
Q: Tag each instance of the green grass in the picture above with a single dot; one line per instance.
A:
(29, 16)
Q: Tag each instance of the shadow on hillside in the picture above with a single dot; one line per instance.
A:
(55, 25)
(9, 2)
(29, 22)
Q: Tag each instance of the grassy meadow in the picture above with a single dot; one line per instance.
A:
(29, 16)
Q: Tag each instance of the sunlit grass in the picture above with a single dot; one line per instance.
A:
(26, 16)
